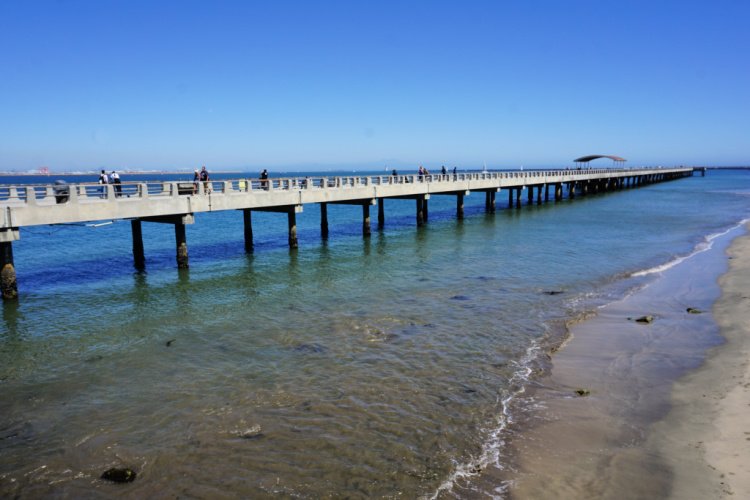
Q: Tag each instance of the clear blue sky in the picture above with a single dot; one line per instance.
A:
(245, 85)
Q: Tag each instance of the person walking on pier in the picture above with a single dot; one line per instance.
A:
(264, 179)
(205, 179)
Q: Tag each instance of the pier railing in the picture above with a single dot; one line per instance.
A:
(51, 194)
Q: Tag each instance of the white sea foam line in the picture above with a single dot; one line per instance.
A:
(703, 246)
(491, 450)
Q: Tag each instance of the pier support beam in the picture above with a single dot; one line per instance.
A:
(558, 191)
(292, 223)
(181, 242)
(139, 257)
(460, 206)
(366, 220)
(291, 213)
(420, 211)
(179, 222)
(510, 197)
(518, 197)
(381, 213)
(539, 194)
(8, 283)
(489, 201)
(247, 223)
(324, 221)
(365, 204)
(546, 192)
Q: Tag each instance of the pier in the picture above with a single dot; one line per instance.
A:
(176, 202)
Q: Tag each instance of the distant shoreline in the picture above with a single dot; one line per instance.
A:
(223, 172)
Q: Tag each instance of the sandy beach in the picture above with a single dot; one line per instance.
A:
(706, 436)
(657, 410)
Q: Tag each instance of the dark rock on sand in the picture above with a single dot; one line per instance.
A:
(645, 319)
(693, 310)
(169, 342)
(119, 475)
(582, 392)
(553, 292)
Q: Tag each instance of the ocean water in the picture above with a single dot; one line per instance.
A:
(387, 366)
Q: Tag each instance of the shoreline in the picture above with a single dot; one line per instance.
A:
(643, 427)
(706, 436)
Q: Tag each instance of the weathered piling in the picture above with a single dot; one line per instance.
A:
(182, 249)
(8, 283)
(292, 223)
(139, 257)
(366, 220)
(324, 220)
(420, 210)
(247, 225)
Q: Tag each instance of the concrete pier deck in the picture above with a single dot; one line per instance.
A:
(42, 204)
(177, 202)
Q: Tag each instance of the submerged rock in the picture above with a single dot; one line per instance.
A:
(553, 292)
(116, 475)
(582, 392)
(460, 297)
(310, 348)
(253, 432)
(693, 310)
(645, 319)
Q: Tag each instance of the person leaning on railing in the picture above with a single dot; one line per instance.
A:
(205, 179)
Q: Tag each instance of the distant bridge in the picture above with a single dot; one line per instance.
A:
(177, 202)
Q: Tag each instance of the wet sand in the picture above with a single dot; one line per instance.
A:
(664, 404)
(706, 436)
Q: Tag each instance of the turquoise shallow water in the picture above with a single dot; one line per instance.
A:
(349, 367)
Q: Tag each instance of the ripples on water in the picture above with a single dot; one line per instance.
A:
(361, 368)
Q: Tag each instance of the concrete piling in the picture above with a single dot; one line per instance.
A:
(366, 220)
(181, 242)
(139, 258)
(292, 223)
(247, 224)
(420, 211)
(8, 284)
(324, 220)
